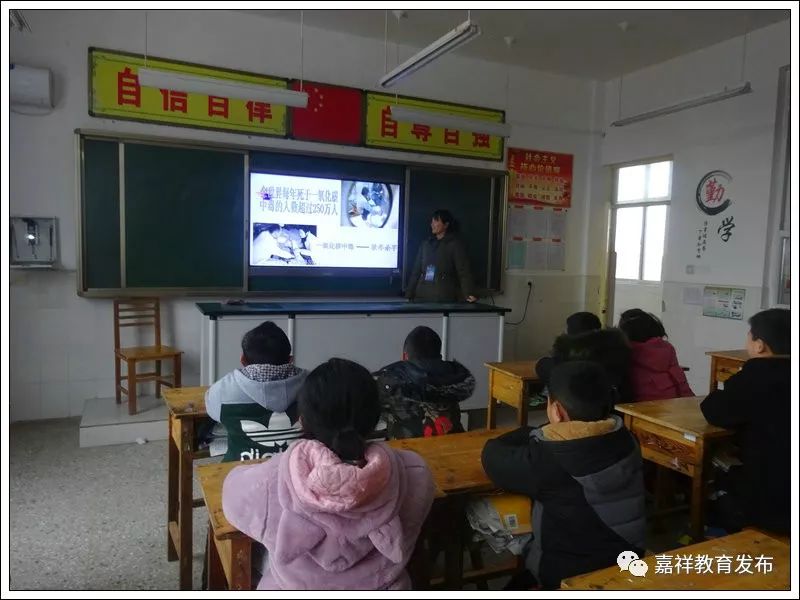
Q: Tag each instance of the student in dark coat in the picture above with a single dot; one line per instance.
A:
(607, 347)
(577, 323)
(420, 394)
(583, 473)
(756, 402)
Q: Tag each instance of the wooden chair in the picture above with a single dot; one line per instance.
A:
(142, 313)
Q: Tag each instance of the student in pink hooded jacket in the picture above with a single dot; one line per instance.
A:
(655, 373)
(334, 511)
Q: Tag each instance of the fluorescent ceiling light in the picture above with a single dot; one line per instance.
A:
(728, 92)
(414, 115)
(182, 82)
(449, 41)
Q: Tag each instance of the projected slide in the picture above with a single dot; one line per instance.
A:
(315, 222)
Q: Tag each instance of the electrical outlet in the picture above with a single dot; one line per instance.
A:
(530, 284)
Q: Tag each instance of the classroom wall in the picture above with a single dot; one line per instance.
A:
(735, 136)
(61, 344)
(627, 295)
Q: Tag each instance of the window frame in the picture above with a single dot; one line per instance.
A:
(644, 204)
(779, 213)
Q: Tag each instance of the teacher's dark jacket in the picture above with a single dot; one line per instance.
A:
(453, 279)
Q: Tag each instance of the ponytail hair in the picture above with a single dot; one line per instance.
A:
(446, 217)
(339, 407)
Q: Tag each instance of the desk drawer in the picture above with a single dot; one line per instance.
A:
(507, 389)
(667, 447)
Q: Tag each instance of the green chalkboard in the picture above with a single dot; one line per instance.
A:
(100, 208)
(472, 199)
(184, 217)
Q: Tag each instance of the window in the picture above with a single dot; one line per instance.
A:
(777, 281)
(641, 199)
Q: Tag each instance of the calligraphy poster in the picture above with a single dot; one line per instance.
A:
(540, 178)
(115, 93)
(382, 131)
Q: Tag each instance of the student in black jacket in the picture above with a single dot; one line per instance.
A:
(577, 323)
(583, 472)
(607, 347)
(421, 393)
(756, 403)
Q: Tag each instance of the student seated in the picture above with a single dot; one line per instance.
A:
(420, 394)
(606, 347)
(257, 402)
(583, 473)
(655, 373)
(334, 511)
(756, 402)
(579, 322)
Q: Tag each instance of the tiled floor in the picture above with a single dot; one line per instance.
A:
(89, 518)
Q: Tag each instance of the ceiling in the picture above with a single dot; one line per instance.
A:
(597, 44)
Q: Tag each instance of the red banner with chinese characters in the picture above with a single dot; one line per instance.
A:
(115, 92)
(382, 131)
(334, 114)
(540, 178)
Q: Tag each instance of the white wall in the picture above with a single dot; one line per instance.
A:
(61, 345)
(735, 136)
(646, 295)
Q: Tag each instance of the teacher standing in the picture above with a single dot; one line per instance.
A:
(441, 271)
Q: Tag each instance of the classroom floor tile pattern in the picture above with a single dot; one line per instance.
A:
(89, 518)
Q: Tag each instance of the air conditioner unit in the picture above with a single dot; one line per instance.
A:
(30, 90)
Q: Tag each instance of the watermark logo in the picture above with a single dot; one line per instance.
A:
(699, 564)
(630, 561)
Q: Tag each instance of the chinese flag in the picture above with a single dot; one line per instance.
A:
(334, 114)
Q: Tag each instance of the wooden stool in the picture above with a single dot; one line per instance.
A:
(143, 313)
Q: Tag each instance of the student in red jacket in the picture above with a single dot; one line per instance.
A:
(655, 373)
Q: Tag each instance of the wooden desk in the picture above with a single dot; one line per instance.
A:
(725, 363)
(454, 460)
(675, 434)
(507, 383)
(228, 551)
(186, 407)
(748, 542)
